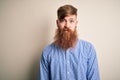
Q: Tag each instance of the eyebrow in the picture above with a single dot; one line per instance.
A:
(69, 19)
(72, 18)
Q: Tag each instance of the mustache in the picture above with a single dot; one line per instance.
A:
(66, 29)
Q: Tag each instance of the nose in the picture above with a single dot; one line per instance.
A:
(66, 24)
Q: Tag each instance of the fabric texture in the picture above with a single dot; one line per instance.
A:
(78, 63)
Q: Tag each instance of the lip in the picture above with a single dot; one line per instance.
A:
(65, 29)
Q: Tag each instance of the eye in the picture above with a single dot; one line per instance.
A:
(71, 21)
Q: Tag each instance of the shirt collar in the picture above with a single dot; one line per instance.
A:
(74, 49)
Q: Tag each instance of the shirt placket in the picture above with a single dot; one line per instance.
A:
(67, 65)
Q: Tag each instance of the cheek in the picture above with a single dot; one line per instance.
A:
(61, 26)
(73, 27)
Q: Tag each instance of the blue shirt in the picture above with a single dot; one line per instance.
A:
(78, 63)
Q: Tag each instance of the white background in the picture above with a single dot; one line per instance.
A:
(27, 26)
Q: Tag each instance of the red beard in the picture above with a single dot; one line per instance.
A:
(65, 38)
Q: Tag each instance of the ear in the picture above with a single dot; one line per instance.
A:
(76, 24)
(57, 22)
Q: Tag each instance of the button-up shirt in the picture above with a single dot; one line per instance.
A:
(78, 63)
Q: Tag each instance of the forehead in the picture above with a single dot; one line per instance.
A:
(71, 17)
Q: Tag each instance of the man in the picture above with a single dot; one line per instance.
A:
(68, 58)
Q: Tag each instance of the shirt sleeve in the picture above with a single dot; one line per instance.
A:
(92, 65)
(44, 68)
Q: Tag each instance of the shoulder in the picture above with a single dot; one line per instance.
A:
(85, 43)
(48, 49)
(87, 47)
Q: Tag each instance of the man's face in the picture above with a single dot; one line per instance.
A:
(66, 34)
(69, 22)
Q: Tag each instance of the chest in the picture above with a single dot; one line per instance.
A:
(73, 60)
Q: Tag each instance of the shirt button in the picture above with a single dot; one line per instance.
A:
(67, 61)
(68, 72)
